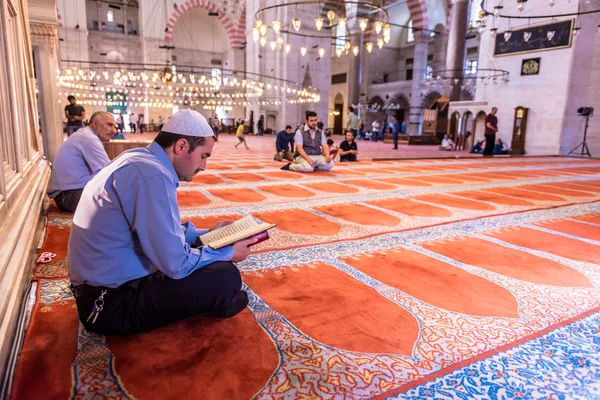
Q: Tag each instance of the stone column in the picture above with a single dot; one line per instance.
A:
(419, 69)
(456, 54)
(44, 42)
(100, 16)
(125, 13)
(364, 79)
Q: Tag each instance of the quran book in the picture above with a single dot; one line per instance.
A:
(244, 228)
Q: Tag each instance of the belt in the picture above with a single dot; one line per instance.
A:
(84, 290)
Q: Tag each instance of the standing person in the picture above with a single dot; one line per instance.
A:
(216, 127)
(491, 127)
(312, 151)
(75, 115)
(120, 123)
(376, 127)
(133, 122)
(285, 145)
(348, 148)
(240, 135)
(352, 121)
(79, 159)
(160, 123)
(260, 125)
(141, 123)
(361, 128)
(395, 131)
(129, 251)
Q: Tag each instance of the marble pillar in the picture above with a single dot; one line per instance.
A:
(456, 53)
(419, 70)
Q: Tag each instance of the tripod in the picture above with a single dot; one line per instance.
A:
(583, 145)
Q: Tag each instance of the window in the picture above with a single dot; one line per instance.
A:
(475, 9)
(409, 74)
(429, 74)
(110, 16)
(410, 36)
(216, 74)
(340, 38)
(471, 67)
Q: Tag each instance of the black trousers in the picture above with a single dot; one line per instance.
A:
(157, 300)
(68, 200)
(490, 141)
(395, 140)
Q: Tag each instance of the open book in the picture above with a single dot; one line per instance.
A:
(241, 229)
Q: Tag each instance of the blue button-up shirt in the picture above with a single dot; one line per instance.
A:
(77, 161)
(127, 224)
(285, 142)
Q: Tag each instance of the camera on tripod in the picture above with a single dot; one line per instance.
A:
(585, 111)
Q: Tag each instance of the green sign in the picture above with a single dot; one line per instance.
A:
(116, 103)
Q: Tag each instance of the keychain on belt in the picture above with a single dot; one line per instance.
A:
(98, 306)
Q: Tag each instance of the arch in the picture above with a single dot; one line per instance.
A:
(402, 100)
(418, 13)
(339, 98)
(376, 100)
(240, 30)
(207, 4)
(479, 126)
(429, 98)
(454, 125)
(464, 141)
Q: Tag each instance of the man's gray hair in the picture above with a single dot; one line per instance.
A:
(98, 114)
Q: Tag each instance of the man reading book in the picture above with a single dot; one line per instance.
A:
(133, 266)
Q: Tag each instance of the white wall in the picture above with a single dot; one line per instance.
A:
(545, 94)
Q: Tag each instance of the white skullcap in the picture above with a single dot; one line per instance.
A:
(188, 123)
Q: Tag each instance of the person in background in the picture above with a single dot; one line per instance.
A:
(260, 125)
(478, 147)
(133, 122)
(75, 115)
(240, 135)
(141, 123)
(312, 151)
(500, 147)
(285, 145)
(395, 131)
(447, 143)
(216, 126)
(120, 123)
(79, 159)
(491, 127)
(361, 129)
(320, 125)
(376, 127)
(348, 148)
(352, 121)
(160, 123)
(333, 149)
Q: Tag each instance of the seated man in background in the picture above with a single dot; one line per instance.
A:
(133, 266)
(80, 158)
(285, 145)
(333, 149)
(500, 147)
(348, 148)
(447, 143)
(312, 151)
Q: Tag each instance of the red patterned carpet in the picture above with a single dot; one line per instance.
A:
(404, 279)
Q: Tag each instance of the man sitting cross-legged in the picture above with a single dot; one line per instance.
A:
(133, 266)
(312, 151)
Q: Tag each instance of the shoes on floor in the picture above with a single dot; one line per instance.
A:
(286, 167)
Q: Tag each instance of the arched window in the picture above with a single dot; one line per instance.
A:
(410, 36)
(475, 9)
(110, 16)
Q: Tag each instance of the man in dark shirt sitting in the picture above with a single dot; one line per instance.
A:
(75, 115)
(285, 145)
(348, 149)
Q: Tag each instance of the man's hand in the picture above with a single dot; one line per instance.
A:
(241, 250)
(310, 161)
(221, 224)
(328, 159)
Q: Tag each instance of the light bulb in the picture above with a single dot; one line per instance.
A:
(342, 23)
(321, 52)
(380, 43)
(386, 38)
(258, 24)
(363, 24)
(387, 29)
(347, 45)
(330, 16)
(521, 6)
(276, 26)
(303, 51)
(319, 23)
(338, 51)
(263, 30)
(255, 34)
(493, 32)
(288, 48)
(497, 10)
(378, 26)
(369, 47)
(355, 50)
(551, 3)
(263, 41)
(296, 24)
(507, 36)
